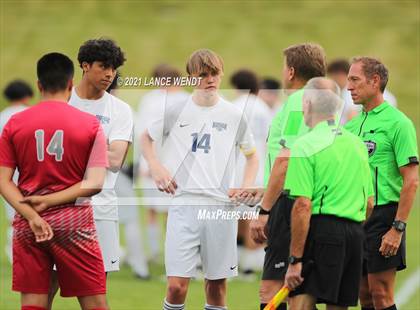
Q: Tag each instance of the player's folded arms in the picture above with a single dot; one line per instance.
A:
(90, 186)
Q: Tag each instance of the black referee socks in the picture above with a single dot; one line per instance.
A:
(393, 307)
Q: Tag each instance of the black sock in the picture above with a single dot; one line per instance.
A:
(282, 306)
(393, 307)
(368, 308)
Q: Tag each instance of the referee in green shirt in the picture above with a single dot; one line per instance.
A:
(301, 63)
(390, 139)
(329, 176)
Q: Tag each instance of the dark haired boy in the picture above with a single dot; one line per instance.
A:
(40, 142)
(99, 60)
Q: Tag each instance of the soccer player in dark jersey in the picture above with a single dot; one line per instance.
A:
(60, 153)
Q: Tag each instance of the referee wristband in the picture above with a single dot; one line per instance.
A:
(261, 211)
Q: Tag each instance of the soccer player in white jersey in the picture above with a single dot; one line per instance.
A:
(99, 60)
(151, 107)
(18, 94)
(201, 140)
(257, 112)
(259, 115)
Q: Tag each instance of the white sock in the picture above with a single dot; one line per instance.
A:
(154, 239)
(210, 307)
(135, 249)
(169, 306)
(246, 259)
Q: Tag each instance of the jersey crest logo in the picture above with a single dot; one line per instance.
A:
(103, 119)
(371, 147)
(219, 126)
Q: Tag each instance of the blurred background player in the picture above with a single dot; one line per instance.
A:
(270, 93)
(207, 131)
(259, 116)
(128, 215)
(338, 70)
(60, 153)
(18, 95)
(152, 107)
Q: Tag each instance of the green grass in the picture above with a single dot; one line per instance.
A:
(251, 34)
(126, 292)
(246, 34)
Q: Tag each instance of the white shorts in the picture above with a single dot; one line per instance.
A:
(108, 236)
(188, 238)
(127, 214)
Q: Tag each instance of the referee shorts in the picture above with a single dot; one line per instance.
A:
(278, 239)
(378, 224)
(335, 245)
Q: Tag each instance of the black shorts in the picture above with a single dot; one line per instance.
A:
(379, 222)
(278, 239)
(335, 245)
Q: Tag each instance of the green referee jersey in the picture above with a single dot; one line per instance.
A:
(390, 138)
(285, 128)
(329, 165)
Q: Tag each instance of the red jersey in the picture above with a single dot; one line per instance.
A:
(52, 144)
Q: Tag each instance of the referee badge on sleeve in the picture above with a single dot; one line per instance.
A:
(371, 147)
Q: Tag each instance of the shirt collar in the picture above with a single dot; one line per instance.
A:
(324, 124)
(380, 107)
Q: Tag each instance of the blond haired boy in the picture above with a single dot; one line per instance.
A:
(201, 140)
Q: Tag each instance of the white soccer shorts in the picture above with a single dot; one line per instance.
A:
(188, 238)
(108, 236)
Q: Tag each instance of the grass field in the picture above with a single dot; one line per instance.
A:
(246, 34)
(127, 293)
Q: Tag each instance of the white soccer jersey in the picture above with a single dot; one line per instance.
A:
(116, 119)
(200, 146)
(152, 108)
(7, 113)
(259, 116)
(153, 104)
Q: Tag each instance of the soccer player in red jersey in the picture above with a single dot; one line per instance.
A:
(60, 153)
